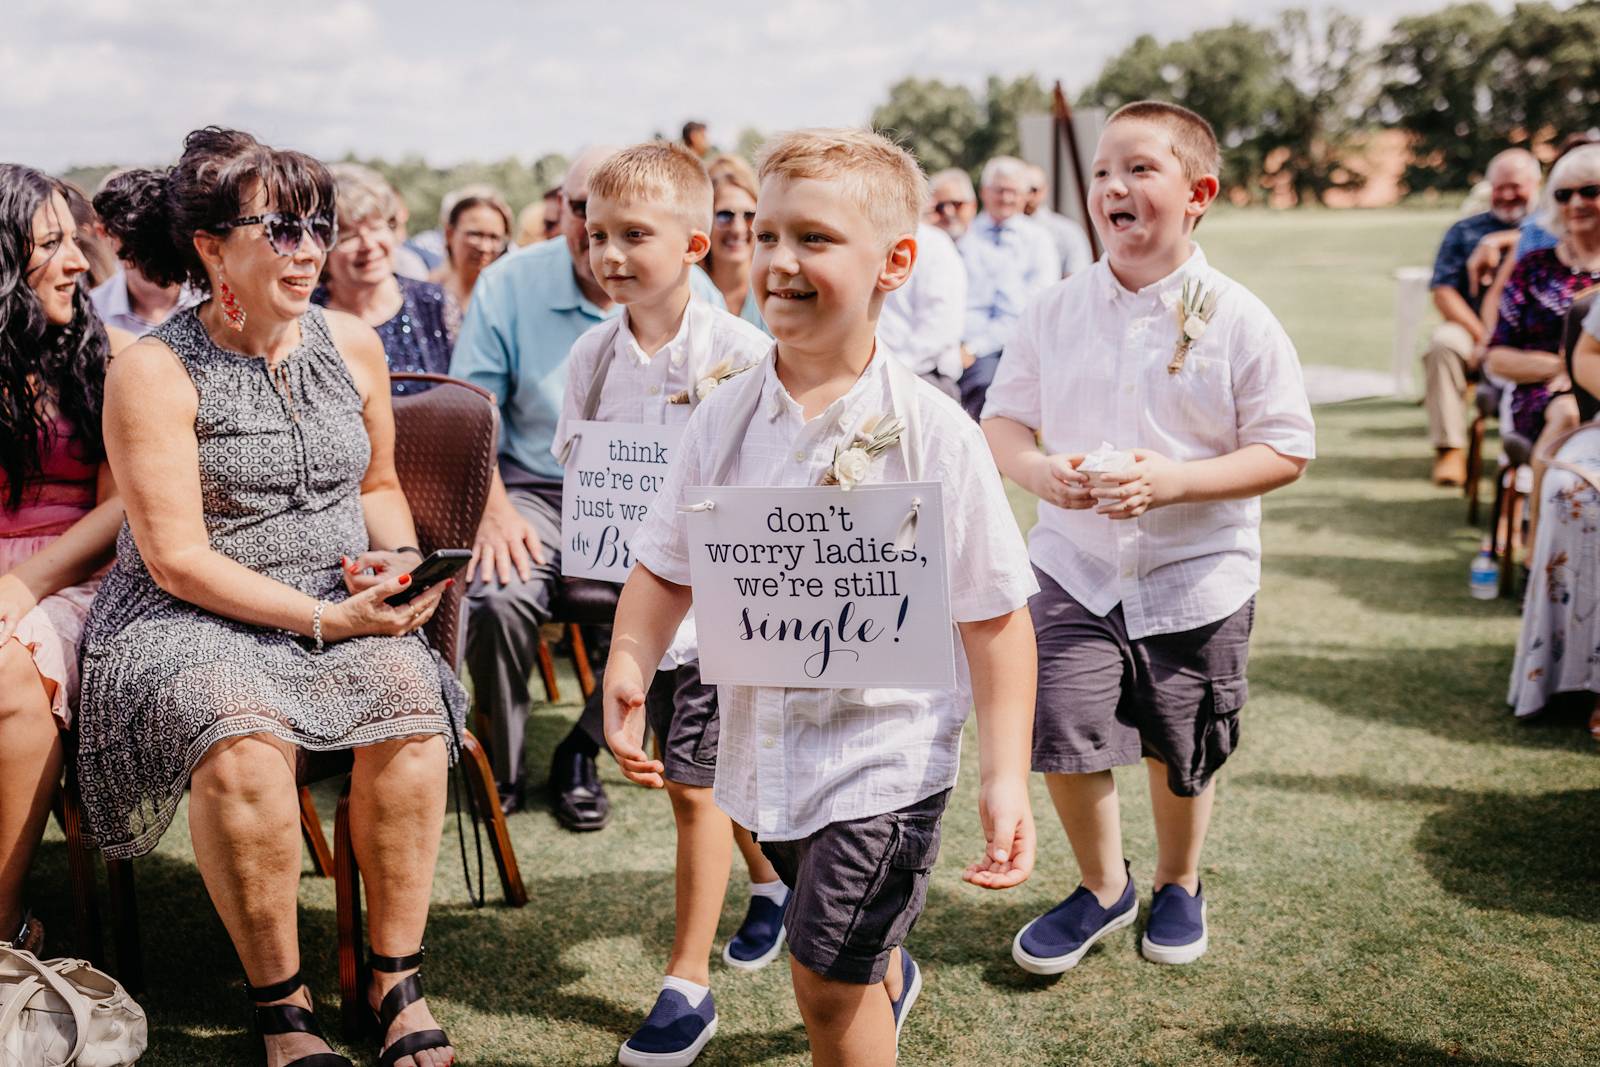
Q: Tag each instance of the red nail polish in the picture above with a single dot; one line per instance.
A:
(405, 579)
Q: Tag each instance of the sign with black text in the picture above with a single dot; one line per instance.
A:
(822, 588)
(613, 474)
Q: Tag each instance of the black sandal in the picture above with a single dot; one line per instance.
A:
(289, 1019)
(406, 993)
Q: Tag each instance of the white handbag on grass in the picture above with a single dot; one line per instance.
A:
(55, 1013)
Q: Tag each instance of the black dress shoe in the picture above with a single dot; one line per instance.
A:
(510, 798)
(576, 794)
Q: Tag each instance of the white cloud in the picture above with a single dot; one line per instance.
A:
(122, 80)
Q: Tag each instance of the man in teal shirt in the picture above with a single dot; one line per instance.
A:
(526, 311)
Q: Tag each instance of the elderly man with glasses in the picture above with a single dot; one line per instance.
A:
(527, 309)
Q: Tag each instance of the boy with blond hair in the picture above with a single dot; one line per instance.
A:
(649, 214)
(1148, 552)
(852, 783)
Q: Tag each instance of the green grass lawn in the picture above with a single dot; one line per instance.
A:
(1328, 275)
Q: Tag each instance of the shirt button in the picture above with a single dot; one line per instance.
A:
(1128, 389)
(1127, 572)
(769, 742)
(655, 390)
(799, 457)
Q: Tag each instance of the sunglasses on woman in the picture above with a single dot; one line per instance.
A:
(1588, 192)
(285, 231)
(725, 218)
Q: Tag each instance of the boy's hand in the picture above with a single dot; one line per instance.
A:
(1061, 483)
(1008, 832)
(1153, 481)
(624, 726)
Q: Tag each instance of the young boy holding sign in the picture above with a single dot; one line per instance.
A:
(844, 787)
(632, 383)
(1147, 551)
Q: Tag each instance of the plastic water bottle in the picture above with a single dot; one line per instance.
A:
(1483, 580)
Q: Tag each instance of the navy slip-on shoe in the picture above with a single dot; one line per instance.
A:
(673, 1035)
(910, 989)
(759, 938)
(1176, 932)
(1058, 939)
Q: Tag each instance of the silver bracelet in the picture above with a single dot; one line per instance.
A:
(316, 624)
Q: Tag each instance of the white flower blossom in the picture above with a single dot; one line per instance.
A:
(851, 466)
(1194, 327)
(704, 386)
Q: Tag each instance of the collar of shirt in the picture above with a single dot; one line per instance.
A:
(1168, 290)
(846, 410)
(565, 295)
(674, 350)
(112, 296)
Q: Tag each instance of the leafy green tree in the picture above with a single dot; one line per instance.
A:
(1321, 101)
(935, 121)
(1545, 78)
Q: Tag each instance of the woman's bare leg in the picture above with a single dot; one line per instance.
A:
(30, 767)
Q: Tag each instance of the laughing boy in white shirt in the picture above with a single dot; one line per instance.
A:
(846, 787)
(1148, 575)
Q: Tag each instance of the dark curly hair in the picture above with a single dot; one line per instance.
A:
(156, 213)
(42, 365)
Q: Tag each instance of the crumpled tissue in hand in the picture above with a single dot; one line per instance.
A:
(1105, 459)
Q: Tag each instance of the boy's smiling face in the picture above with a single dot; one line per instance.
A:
(1143, 205)
(821, 267)
(640, 251)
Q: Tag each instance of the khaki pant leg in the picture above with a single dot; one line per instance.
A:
(1445, 377)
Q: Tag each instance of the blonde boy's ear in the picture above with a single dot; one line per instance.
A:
(1201, 194)
(699, 245)
(897, 263)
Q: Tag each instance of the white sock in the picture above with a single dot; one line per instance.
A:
(774, 891)
(692, 992)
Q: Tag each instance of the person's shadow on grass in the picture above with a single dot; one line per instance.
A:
(1316, 1046)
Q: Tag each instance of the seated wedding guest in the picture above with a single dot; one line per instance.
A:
(952, 202)
(921, 322)
(1009, 258)
(477, 229)
(1560, 628)
(1072, 244)
(409, 261)
(540, 220)
(416, 321)
(128, 300)
(253, 444)
(1455, 348)
(58, 510)
(1526, 346)
(697, 140)
(733, 210)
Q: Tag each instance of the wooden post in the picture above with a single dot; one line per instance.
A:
(1066, 137)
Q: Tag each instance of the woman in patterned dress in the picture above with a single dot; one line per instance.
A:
(252, 440)
(58, 509)
(416, 321)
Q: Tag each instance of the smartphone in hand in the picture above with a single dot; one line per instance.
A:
(439, 565)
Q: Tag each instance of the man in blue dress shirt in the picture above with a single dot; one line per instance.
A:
(526, 311)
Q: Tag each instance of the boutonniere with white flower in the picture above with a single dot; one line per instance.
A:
(852, 459)
(713, 378)
(1194, 309)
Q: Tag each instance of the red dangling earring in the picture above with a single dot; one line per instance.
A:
(230, 306)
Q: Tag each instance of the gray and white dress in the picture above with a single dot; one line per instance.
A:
(281, 464)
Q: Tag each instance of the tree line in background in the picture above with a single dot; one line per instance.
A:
(1291, 99)
(1294, 98)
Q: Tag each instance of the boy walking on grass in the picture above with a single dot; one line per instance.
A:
(649, 212)
(1147, 551)
(845, 788)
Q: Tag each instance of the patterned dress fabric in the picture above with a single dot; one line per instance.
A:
(420, 336)
(1559, 651)
(1533, 311)
(282, 454)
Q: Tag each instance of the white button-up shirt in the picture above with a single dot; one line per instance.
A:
(1072, 244)
(790, 761)
(1089, 364)
(1007, 263)
(638, 387)
(115, 308)
(922, 321)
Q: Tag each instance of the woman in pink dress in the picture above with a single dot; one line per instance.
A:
(58, 510)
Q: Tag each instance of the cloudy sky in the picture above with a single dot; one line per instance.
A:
(102, 81)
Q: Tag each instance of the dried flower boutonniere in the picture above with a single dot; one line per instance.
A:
(1194, 309)
(713, 378)
(851, 460)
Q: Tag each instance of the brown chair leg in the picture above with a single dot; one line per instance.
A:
(580, 659)
(1513, 517)
(480, 779)
(1474, 468)
(91, 943)
(347, 896)
(125, 925)
(547, 671)
(316, 840)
